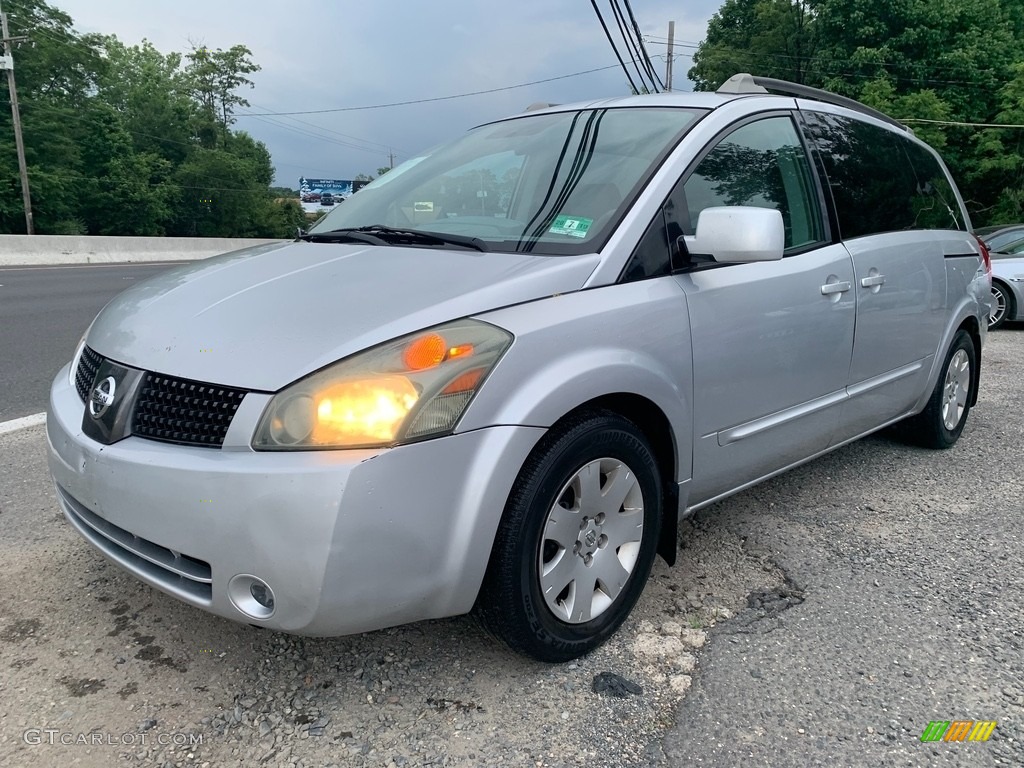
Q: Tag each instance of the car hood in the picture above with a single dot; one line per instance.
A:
(263, 317)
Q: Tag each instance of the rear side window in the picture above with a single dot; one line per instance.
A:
(881, 181)
(935, 205)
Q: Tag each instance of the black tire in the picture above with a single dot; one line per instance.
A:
(511, 604)
(929, 428)
(1000, 291)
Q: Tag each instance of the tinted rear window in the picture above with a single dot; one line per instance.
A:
(881, 181)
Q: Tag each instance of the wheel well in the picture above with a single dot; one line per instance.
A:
(658, 431)
(971, 326)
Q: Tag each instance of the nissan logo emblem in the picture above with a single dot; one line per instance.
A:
(102, 397)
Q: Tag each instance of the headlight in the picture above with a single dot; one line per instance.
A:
(408, 389)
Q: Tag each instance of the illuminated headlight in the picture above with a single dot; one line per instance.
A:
(408, 389)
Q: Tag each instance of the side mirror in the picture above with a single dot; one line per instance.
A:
(739, 234)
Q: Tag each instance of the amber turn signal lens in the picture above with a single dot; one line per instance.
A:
(425, 352)
(464, 382)
(463, 350)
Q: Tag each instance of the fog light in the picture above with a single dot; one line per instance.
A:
(251, 596)
(262, 595)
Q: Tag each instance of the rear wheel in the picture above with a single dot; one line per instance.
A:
(1002, 306)
(576, 541)
(939, 425)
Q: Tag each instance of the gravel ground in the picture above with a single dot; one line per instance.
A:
(97, 669)
(89, 653)
(909, 567)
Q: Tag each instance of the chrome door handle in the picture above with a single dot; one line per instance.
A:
(872, 280)
(841, 287)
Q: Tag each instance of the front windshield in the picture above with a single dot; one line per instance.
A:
(548, 184)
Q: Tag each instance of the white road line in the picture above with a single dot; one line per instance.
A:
(23, 423)
(87, 266)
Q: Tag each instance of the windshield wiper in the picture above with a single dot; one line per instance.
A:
(378, 234)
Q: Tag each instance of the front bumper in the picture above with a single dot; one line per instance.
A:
(348, 541)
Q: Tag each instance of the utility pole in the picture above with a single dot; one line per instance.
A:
(668, 58)
(391, 159)
(7, 62)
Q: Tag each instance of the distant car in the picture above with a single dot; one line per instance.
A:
(1007, 284)
(326, 199)
(420, 408)
(997, 238)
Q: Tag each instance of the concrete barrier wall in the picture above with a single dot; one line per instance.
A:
(26, 250)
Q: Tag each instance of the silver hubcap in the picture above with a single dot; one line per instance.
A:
(954, 393)
(591, 540)
(998, 306)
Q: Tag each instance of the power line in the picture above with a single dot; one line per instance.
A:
(310, 134)
(924, 81)
(633, 51)
(435, 98)
(957, 122)
(326, 130)
(611, 42)
(53, 109)
(659, 85)
(155, 185)
(656, 40)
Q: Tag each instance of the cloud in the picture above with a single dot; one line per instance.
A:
(335, 54)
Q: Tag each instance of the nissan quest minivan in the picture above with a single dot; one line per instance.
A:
(496, 378)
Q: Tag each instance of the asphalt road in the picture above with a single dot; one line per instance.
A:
(43, 312)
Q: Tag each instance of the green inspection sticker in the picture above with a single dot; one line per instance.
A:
(574, 226)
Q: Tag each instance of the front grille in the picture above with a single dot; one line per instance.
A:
(181, 575)
(88, 364)
(184, 411)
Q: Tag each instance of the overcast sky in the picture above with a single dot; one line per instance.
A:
(327, 55)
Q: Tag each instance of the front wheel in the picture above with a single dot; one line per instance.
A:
(577, 539)
(939, 425)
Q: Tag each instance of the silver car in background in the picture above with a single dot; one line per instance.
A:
(495, 379)
(1007, 284)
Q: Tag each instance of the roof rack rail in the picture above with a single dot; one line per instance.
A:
(746, 83)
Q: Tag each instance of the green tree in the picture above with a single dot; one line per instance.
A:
(947, 61)
(150, 90)
(1001, 154)
(771, 38)
(56, 75)
(123, 192)
(127, 140)
(214, 78)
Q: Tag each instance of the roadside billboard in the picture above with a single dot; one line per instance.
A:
(311, 189)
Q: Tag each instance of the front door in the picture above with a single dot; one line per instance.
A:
(772, 341)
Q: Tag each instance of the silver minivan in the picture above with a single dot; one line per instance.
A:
(495, 379)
